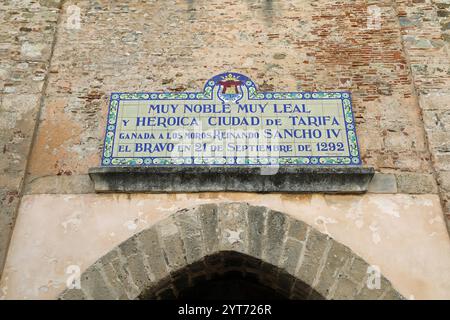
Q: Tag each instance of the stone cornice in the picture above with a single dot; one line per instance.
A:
(289, 179)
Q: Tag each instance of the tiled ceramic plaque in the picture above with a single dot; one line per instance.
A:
(230, 123)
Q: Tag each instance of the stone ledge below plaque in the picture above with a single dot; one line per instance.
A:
(288, 179)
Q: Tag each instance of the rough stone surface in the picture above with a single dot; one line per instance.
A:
(233, 227)
(316, 248)
(135, 266)
(256, 228)
(191, 233)
(155, 257)
(291, 255)
(430, 70)
(275, 235)
(209, 226)
(113, 278)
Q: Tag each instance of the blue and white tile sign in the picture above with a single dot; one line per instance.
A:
(230, 123)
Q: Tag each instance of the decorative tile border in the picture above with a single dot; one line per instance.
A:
(353, 157)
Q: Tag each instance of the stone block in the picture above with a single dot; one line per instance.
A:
(116, 284)
(316, 245)
(357, 271)
(444, 180)
(275, 234)
(172, 244)
(233, 226)
(116, 273)
(138, 273)
(416, 183)
(94, 284)
(209, 221)
(383, 183)
(290, 255)
(152, 250)
(256, 228)
(129, 247)
(337, 259)
(189, 224)
(297, 229)
(442, 161)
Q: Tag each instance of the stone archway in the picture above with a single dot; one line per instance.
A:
(210, 240)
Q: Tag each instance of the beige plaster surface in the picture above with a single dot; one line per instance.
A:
(403, 234)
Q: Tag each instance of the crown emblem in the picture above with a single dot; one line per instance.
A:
(230, 84)
(230, 77)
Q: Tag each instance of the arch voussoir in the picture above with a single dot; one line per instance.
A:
(276, 230)
(233, 227)
(208, 216)
(256, 221)
(172, 243)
